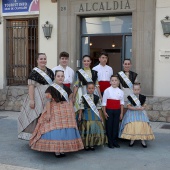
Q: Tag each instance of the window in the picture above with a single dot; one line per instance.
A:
(21, 49)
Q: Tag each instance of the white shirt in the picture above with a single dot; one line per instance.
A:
(68, 73)
(113, 93)
(104, 72)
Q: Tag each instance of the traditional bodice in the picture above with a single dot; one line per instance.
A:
(91, 73)
(141, 98)
(95, 99)
(132, 77)
(56, 95)
(38, 78)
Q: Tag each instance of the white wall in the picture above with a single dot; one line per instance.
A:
(48, 12)
(2, 65)
(162, 69)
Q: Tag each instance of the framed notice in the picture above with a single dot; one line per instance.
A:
(164, 55)
(20, 7)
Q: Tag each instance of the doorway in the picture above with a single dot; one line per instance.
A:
(112, 34)
(111, 45)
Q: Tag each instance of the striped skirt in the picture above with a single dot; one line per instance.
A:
(60, 134)
(28, 117)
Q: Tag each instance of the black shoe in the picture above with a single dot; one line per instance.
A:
(86, 148)
(58, 156)
(144, 146)
(116, 145)
(110, 146)
(92, 149)
(63, 154)
(131, 145)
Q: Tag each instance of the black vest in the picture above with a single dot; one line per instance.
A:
(132, 77)
(96, 99)
(83, 80)
(142, 99)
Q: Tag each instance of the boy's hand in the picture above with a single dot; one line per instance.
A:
(121, 116)
(106, 115)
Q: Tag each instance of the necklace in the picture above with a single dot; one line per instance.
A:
(45, 70)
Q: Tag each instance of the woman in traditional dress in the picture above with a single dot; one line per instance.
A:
(92, 130)
(57, 130)
(38, 81)
(84, 76)
(127, 79)
(135, 124)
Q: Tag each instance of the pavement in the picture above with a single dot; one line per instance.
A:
(15, 154)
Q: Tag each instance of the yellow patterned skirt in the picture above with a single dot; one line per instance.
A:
(137, 131)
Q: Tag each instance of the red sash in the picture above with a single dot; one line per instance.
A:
(68, 84)
(104, 85)
(113, 104)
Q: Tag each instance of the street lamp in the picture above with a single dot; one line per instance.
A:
(166, 26)
(47, 29)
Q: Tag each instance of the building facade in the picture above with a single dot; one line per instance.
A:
(123, 28)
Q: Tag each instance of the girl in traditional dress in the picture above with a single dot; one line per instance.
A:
(92, 130)
(84, 76)
(56, 130)
(38, 81)
(135, 124)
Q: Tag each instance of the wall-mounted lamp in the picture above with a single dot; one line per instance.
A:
(113, 45)
(91, 44)
(47, 29)
(166, 26)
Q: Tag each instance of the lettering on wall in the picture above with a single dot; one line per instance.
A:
(104, 6)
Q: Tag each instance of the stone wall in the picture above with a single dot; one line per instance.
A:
(11, 98)
(158, 109)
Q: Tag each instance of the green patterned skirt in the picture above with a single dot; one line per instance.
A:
(92, 133)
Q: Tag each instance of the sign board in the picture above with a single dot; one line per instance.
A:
(164, 55)
(20, 7)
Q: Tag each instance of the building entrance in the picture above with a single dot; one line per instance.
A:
(110, 34)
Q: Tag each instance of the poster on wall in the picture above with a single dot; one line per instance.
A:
(164, 56)
(20, 7)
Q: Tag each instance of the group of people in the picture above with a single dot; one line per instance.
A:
(55, 119)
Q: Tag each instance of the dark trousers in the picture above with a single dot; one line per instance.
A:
(112, 125)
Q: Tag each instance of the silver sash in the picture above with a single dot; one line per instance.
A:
(91, 104)
(126, 79)
(135, 99)
(85, 75)
(61, 90)
(44, 75)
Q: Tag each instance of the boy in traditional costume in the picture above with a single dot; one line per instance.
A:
(68, 72)
(56, 130)
(92, 130)
(113, 102)
(104, 72)
(135, 124)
